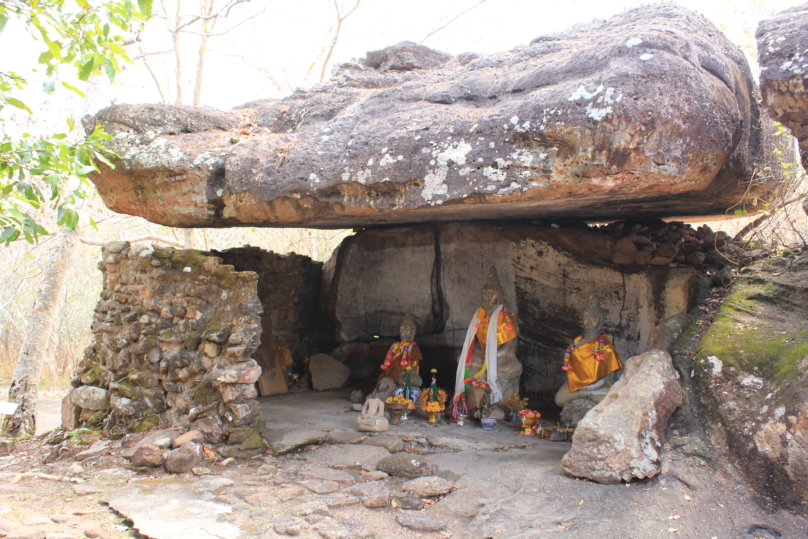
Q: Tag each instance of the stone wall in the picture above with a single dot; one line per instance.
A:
(436, 272)
(173, 337)
(289, 291)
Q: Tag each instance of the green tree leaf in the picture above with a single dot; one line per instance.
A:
(86, 69)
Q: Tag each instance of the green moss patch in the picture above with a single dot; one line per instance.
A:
(744, 337)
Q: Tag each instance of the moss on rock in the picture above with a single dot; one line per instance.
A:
(744, 337)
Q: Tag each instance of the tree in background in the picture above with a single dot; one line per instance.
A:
(83, 38)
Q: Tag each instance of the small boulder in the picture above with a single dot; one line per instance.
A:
(97, 533)
(287, 525)
(70, 413)
(190, 436)
(620, 438)
(406, 465)
(416, 520)
(160, 438)
(428, 487)
(90, 398)
(406, 56)
(36, 520)
(312, 508)
(327, 372)
(184, 458)
(372, 495)
(624, 252)
(723, 276)
(409, 502)
(320, 486)
(210, 427)
(149, 455)
(100, 447)
(393, 444)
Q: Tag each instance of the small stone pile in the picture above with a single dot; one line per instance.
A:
(666, 243)
(173, 337)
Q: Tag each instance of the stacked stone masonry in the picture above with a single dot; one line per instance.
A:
(289, 291)
(174, 335)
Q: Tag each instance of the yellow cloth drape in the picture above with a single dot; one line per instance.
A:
(584, 369)
(503, 333)
(286, 356)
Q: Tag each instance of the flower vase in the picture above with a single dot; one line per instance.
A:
(396, 410)
(433, 417)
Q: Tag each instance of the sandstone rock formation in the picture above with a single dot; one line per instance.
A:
(783, 56)
(436, 271)
(621, 438)
(751, 370)
(649, 113)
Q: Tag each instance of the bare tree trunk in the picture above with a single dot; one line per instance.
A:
(175, 36)
(207, 28)
(188, 237)
(24, 386)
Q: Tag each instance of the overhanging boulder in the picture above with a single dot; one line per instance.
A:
(651, 113)
(783, 54)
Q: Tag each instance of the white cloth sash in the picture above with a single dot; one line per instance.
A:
(490, 352)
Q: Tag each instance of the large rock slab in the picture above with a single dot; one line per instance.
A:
(163, 512)
(620, 439)
(652, 112)
(327, 372)
(436, 273)
(783, 57)
(752, 370)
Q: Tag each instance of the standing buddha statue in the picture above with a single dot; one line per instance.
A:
(487, 368)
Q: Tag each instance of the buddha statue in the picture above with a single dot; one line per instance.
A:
(487, 369)
(402, 354)
(593, 365)
(372, 417)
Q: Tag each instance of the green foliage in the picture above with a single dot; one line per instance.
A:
(86, 38)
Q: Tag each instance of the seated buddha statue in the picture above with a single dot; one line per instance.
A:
(487, 367)
(405, 353)
(592, 366)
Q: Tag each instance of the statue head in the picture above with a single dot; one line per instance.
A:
(593, 315)
(408, 328)
(492, 293)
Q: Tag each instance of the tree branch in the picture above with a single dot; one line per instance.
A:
(155, 239)
(438, 29)
(763, 218)
(340, 20)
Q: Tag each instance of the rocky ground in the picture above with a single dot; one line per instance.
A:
(326, 480)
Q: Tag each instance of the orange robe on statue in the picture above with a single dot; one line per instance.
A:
(505, 331)
(392, 366)
(584, 369)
